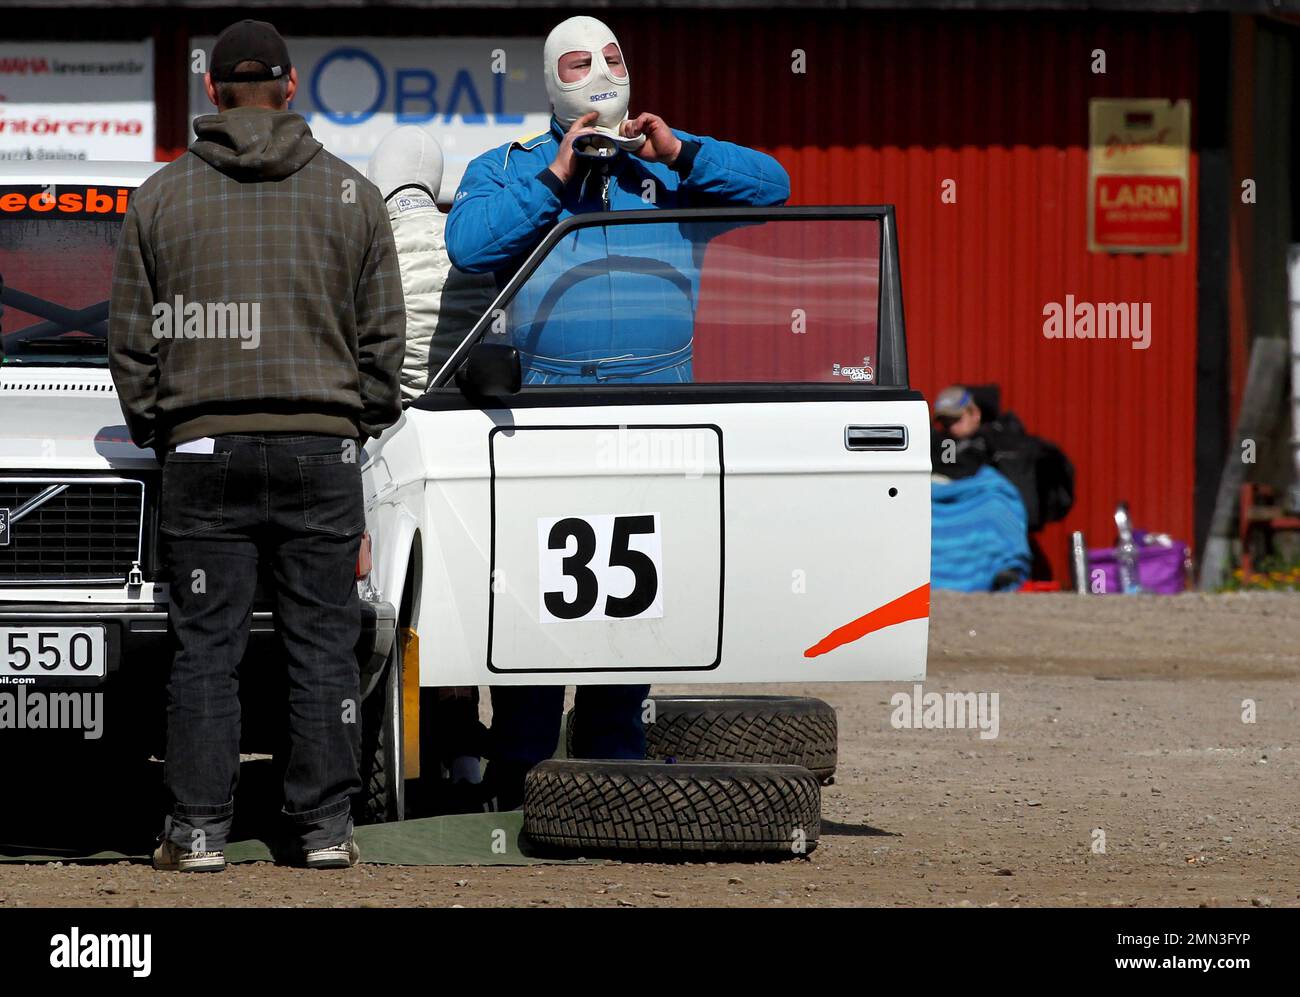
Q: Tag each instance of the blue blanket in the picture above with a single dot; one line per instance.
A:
(979, 530)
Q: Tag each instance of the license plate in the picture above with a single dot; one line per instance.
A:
(47, 651)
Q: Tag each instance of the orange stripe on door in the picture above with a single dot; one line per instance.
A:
(913, 606)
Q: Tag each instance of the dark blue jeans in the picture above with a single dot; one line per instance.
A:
(526, 729)
(291, 502)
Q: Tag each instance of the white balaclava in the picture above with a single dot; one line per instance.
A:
(408, 157)
(600, 90)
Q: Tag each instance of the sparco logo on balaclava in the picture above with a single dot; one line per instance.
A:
(600, 90)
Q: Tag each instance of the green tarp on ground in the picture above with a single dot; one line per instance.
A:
(459, 839)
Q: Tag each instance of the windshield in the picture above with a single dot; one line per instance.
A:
(707, 301)
(57, 244)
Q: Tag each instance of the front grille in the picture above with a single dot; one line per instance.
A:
(89, 531)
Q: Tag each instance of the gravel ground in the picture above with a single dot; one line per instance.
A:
(1123, 774)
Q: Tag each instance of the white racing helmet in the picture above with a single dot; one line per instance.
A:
(601, 90)
(408, 157)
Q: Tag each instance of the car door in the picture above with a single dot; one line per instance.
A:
(759, 513)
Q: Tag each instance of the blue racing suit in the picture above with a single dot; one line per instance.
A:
(567, 333)
(565, 329)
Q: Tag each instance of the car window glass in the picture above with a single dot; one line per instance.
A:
(56, 265)
(711, 301)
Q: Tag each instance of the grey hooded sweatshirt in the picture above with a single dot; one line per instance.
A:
(256, 289)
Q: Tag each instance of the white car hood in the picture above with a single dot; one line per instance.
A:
(63, 418)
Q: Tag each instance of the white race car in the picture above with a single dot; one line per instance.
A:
(766, 518)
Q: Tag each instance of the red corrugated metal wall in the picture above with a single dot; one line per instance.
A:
(890, 107)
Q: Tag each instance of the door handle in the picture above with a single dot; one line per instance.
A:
(875, 437)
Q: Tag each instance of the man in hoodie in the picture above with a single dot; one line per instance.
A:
(594, 158)
(256, 333)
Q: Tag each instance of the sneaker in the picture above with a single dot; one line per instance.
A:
(171, 857)
(341, 856)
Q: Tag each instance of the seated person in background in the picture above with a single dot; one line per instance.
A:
(973, 431)
(993, 485)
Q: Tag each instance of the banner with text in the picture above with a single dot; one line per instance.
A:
(470, 94)
(76, 101)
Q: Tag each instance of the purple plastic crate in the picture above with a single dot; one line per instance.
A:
(1162, 568)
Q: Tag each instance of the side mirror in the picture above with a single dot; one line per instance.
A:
(490, 369)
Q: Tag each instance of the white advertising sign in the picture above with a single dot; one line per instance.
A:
(471, 94)
(76, 101)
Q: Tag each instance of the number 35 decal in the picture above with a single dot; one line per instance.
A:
(599, 568)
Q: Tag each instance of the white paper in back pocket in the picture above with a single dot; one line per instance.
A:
(205, 445)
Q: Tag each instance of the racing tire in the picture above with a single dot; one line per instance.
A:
(383, 785)
(770, 730)
(653, 808)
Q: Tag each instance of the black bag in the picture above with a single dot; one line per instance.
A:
(1041, 473)
(1037, 467)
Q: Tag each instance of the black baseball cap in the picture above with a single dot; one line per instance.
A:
(249, 41)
